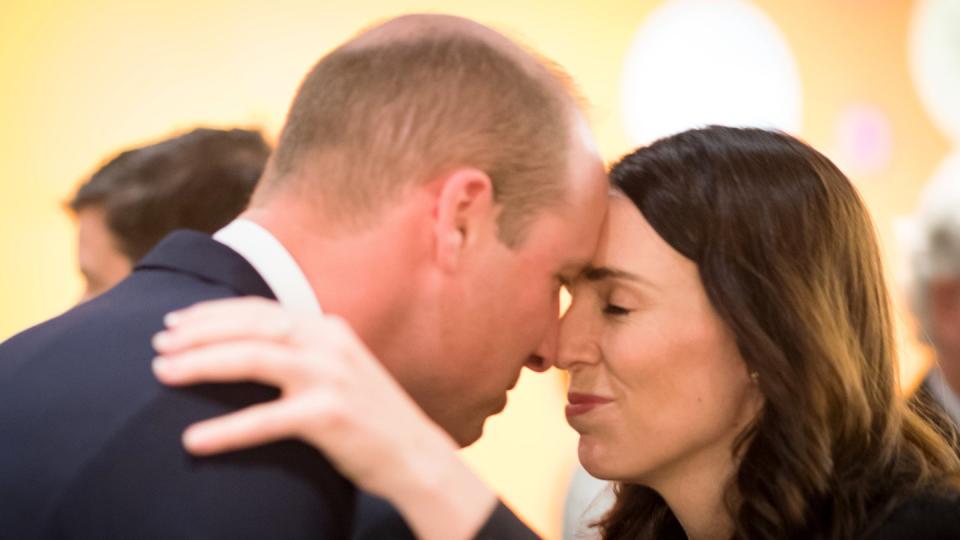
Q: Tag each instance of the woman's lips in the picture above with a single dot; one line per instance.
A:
(583, 403)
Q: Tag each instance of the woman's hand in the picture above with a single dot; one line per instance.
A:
(334, 395)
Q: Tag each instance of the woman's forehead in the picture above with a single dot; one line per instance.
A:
(631, 244)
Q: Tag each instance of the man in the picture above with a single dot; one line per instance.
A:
(200, 180)
(935, 290)
(433, 186)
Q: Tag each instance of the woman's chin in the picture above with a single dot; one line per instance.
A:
(595, 460)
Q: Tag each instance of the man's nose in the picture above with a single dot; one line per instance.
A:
(546, 354)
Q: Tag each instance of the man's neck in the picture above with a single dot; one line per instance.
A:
(357, 275)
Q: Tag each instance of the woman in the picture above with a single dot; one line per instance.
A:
(731, 357)
(752, 349)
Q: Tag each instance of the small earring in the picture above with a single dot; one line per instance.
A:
(754, 377)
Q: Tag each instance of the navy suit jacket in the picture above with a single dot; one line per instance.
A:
(376, 519)
(90, 441)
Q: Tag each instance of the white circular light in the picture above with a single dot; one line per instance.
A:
(935, 61)
(699, 62)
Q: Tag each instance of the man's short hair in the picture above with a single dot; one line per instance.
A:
(200, 180)
(375, 119)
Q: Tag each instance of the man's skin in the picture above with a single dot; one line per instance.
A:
(426, 306)
(944, 301)
(102, 264)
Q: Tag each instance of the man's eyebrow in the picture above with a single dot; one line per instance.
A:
(575, 268)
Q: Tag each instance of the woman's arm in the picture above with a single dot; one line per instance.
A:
(335, 396)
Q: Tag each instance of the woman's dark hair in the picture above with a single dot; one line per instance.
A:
(788, 256)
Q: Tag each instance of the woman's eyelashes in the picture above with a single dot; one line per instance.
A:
(614, 310)
(619, 302)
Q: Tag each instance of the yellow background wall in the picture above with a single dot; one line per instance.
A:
(80, 79)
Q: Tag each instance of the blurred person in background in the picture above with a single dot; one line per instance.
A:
(731, 353)
(200, 180)
(932, 236)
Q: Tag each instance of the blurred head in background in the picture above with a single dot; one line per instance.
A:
(200, 180)
(933, 245)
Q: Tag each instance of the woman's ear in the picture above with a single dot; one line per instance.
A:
(464, 209)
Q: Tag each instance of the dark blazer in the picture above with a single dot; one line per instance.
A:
(376, 519)
(922, 517)
(90, 441)
(925, 402)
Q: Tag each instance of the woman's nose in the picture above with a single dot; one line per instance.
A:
(577, 343)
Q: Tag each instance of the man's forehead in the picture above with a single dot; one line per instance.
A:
(589, 225)
(583, 135)
(575, 237)
(588, 183)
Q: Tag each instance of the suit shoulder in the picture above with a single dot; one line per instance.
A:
(281, 490)
(923, 517)
(141, 300)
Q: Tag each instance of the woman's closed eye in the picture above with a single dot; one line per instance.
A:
(614, 310)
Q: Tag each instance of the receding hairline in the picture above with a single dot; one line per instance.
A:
(415, 27)
(427, 42)
(430, 26)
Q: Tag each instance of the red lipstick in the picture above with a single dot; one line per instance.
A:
(583, 403)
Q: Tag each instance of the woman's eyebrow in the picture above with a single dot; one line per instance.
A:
(597, 273)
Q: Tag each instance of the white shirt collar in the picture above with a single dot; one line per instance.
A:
(272, 261)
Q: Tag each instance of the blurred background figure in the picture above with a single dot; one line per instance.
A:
(932, 238)
(200, 180)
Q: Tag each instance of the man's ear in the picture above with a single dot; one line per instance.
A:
(464, 207)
